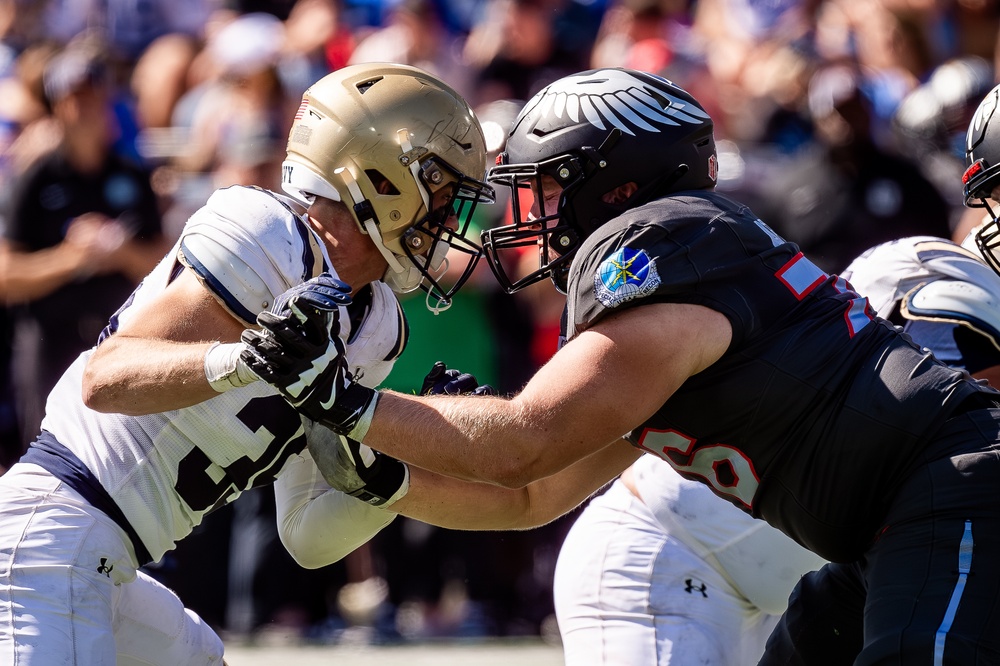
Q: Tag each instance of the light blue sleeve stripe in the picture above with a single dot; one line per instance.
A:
(964, 566)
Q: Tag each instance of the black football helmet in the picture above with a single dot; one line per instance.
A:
(982, 173)
(593, 132)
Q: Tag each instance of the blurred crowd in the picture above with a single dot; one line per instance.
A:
(841, 123)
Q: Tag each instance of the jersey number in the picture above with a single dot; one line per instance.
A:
(204, 485)
(722, 467)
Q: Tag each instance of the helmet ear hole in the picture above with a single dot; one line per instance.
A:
(380, 183)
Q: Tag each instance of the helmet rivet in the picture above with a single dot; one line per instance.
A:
(435, 177)
(564, 241)
(602, 164)
(564, 173)
(404, 160)
(394, 215)
(415, 241)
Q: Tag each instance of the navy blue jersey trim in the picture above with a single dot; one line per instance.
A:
(308, 257)
(60, 462)
(216, 286)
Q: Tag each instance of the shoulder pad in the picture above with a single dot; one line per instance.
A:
(887, 272)
(379, 339)
(248, 245)
(962, 302)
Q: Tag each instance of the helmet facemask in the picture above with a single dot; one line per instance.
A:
(978, 192)
(551, 232)
(441, 237)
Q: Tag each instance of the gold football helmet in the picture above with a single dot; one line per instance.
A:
(406, 154)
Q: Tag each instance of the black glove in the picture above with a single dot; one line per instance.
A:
(355, 469)
(443, 381)
(300, 353)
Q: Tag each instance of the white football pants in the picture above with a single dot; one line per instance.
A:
(628, 593)
(69, 590)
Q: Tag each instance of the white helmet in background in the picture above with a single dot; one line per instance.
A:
(384, 139)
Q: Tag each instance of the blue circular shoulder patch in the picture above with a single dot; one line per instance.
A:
(625, 275)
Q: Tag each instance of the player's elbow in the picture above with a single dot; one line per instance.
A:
(94, 391)
(99, 390)
(306, 557)
(304, 551)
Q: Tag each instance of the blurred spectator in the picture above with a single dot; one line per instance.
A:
(846, 194)
(28, 130)
(889, 43)
(414, 34)
(245, 98)
(82, 229)
(514, 51)
(229, 127)
(774, 110)
(317, 41)
(633, 34)
(161, 77)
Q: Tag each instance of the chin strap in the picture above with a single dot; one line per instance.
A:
(442, 303)
(366, 215)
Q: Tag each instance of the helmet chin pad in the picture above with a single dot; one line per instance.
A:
(404, 281)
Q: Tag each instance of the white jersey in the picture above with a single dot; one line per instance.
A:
(166, 471)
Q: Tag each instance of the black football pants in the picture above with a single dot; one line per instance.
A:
(928, 590)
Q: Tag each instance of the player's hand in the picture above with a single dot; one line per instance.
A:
(355, 469)
(299, 350)
(444, 381)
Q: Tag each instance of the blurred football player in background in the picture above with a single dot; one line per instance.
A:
(709, 341)
(161, 422)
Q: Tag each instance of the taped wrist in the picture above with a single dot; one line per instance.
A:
(386, 481)
(351, 414)
(224, 369)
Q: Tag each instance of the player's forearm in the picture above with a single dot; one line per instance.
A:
(133, 376)
(475, 438)
(465, 505)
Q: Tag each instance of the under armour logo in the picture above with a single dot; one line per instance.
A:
(692, 586)
(105, 568)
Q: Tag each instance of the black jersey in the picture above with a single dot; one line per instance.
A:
(817, 411)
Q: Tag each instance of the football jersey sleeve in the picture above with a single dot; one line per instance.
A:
(697, 248)
(247, 246)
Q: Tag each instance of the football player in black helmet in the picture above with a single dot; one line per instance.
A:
(629, 127)
(982, 174)
(695, 333)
